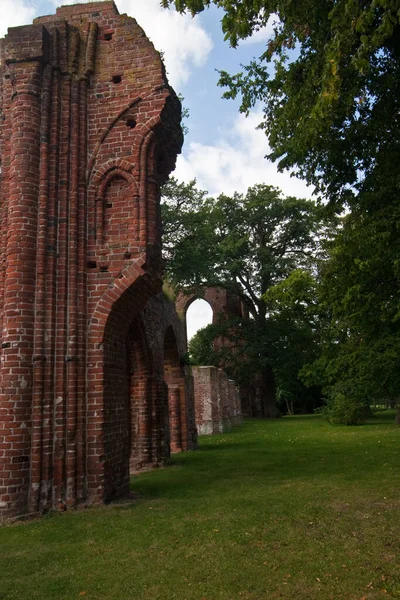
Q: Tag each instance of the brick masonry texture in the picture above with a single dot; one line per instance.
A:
(217, 401)
(91, 377)
(227, 305)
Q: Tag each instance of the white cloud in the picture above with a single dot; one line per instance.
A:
(184, 42)
(14, 13)
(263, 34)
(236, 161)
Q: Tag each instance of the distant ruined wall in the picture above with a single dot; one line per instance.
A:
(217, 401)
(225, 305)
(89, 130)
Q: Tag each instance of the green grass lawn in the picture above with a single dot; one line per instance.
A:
(290, 509)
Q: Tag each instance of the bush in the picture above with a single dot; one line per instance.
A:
(346, 410)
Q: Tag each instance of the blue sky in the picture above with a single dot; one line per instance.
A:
(223, 150)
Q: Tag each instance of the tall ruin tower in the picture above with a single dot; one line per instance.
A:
(89, 129)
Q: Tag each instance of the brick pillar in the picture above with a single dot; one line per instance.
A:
(19, 289)
(87, 113)
(38, 467)
(175, 418)
(184, 416)
(144, 442)
(163, 435)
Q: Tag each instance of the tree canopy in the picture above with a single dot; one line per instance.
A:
(247, 244)
(359, 290)
(329, 84)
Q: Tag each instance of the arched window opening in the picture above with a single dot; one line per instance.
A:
(199, 315)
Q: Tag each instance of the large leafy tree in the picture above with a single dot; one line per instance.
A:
(188, 235)
(295, 313)
(329, 83)
(247, 244)
(287, 341)
(359, 362)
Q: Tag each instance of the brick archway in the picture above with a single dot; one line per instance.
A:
(199, 314)
(111, 342)
(149, 444)
(224, 304)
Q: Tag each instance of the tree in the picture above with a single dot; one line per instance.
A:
(294, 313)
(201, 348)
(291, 339)
(188, 238)
(360, 290)
(246, 244)
(329, 83)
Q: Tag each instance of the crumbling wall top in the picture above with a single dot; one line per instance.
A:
(81, 10)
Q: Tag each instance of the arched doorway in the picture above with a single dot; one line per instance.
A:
(147, 400)
(119, 377)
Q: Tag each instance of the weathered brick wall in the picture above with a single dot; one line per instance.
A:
(225, 305)
(89, 130)
(217, 401)
(165, 340)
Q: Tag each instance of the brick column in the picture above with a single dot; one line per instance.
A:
(144, 442)
(175, 418)
(19, 291)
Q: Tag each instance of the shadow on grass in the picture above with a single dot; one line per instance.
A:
(304, 449)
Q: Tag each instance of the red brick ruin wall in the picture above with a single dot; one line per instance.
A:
(226, 305)
(89, 131)
(217, 401)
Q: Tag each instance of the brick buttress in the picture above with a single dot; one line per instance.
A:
(89, 130)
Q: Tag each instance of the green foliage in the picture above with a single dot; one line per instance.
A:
(345, 410)
(261, 247)
(169, 292)
(242, 347)
(185, 115)
(329, 82)
(201, 348)
(188, 238)
(359, 293)
(292, 306)
(361, 279)
(245, 243)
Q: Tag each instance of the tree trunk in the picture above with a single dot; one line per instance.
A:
(288, 406)
(268, 397)
(395, 403)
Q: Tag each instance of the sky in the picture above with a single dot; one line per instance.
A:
(223, 150)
